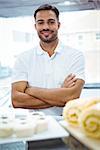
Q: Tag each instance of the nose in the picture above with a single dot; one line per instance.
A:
(46, 26)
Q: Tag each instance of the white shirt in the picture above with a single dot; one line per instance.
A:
(41, 70)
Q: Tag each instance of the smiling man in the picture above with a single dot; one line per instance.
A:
(50, 74)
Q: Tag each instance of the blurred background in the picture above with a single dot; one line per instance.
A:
(80, 28)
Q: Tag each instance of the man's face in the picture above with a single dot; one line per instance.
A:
(47, 25)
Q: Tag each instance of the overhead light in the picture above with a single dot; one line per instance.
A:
(67, 3)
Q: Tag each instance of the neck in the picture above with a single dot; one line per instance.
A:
(49, 47)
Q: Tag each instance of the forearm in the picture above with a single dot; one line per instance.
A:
(56, 96)
(23, 100)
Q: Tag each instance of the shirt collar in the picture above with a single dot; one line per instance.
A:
(39, 50)
(59, 47)
(57, 50)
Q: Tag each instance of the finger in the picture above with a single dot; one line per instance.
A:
(68, 86)
(70, 81)
(70, 77)
(74, 79)
(71, 85)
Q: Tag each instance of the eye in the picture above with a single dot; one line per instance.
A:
(40, 22)
(51, 22)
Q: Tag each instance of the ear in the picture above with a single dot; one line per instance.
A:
(35, 25)
(59, 25)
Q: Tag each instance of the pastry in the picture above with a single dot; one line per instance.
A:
(41, 124)
(73, 109)
(90, 121)
(24, 127)
(6, 126)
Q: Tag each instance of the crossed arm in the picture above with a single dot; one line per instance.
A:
(34, 97)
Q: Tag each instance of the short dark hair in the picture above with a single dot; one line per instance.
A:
(47, 7)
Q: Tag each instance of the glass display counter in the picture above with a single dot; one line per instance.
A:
(69, 143)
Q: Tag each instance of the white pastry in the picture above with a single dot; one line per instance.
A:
(24, 127)
(41, 121)
(41, 124)
(6, 127)
(6, 122)
(19, 112)
(37, 114)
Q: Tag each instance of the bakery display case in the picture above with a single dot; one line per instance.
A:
(55, 137)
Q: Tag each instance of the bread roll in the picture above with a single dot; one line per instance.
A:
(71, 112)
(90, 121)
(73, 109)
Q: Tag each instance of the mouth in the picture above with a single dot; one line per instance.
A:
(46, 33)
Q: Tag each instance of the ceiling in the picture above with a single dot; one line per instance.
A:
(15, 8)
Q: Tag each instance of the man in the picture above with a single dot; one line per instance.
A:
(50, 74)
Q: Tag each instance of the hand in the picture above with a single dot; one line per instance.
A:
(28, 91)
(69, 81)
